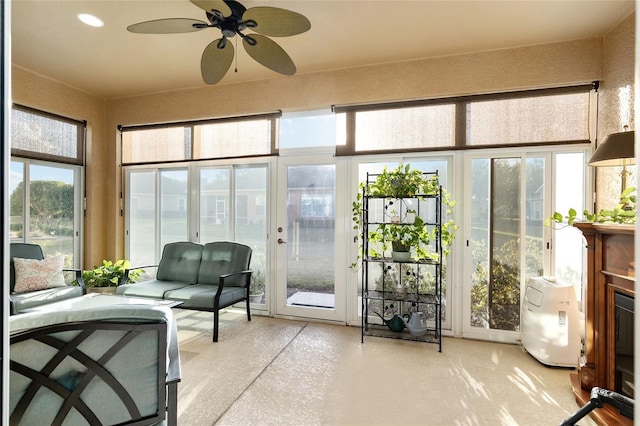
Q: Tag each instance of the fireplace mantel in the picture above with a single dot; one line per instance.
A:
(610, 269)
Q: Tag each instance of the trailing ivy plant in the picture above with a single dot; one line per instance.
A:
(624, 212)
(398, 184)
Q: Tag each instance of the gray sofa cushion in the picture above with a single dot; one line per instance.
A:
(22, 301)
(180, 262)
(153, 288)
(221, 258)
(201, 296)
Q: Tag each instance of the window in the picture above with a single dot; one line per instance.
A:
(520, 118)
(45, 184)
(307, 129)
(426, 126)
(43, 136)
(166, 204)
(551, 118)
(212, 139)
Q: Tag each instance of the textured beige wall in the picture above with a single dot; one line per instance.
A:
(616, 104)
(41, 93)
(531, 67)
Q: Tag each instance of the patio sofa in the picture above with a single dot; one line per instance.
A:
(42, 285)
(207, 277)
(116, 365)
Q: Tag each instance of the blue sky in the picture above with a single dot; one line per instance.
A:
(38, 172)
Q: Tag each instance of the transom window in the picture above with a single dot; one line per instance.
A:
(533, 117)
(202, 140)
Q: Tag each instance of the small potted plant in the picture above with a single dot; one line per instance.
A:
(106, 277)
(256, 290)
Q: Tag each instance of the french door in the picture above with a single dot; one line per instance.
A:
(309, 283)
(508, 198)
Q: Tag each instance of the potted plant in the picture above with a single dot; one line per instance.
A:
(106, 277)
(412, 237)
(256, 289)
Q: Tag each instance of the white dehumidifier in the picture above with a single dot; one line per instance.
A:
(550, 323)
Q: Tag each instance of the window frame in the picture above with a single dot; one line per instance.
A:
(190, 126)
(460, 127)
(79, 160)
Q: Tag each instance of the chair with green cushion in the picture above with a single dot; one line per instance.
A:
(22, 300)
(224, 278)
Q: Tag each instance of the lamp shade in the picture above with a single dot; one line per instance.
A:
(616, 149)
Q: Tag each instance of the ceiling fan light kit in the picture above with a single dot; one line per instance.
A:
(232, 19)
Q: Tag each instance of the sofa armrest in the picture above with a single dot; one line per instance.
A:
(248, 273)
(78, 278)
(125, 277)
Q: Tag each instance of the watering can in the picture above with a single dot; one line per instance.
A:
(395, 323)
(417, 324)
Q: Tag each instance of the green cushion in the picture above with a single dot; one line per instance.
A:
(200, 296)
(32, 299)
(180, 262)
(153, 288)
(221, 258)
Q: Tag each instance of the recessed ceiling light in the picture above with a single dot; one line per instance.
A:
(90, 20)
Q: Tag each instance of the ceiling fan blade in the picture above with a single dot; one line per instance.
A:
(168, 26)
(210, 5)
(268, 53)
(276, 22)
(215, 62)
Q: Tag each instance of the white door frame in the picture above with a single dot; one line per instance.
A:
(279, 231)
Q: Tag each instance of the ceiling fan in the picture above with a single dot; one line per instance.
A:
(232, 18)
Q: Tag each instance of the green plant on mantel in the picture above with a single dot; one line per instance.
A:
(398, 184)
(623, 213)
(109, 274)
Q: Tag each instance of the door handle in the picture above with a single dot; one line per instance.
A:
(281, 241)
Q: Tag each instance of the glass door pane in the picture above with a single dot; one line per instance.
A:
(174, 224)
(376, 210)
(506, 241)
(535, 191)
(244, 220)
(157, 212)
(44, 208)
(306, 245)
(311, 229)
(495, 244)
(141, 215)
(214, 204)
(251, 223)
(568, 243)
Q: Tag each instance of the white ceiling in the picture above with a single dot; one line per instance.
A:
(110, 62)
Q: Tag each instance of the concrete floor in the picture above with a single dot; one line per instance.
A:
(280, 372)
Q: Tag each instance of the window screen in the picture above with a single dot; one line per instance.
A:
(201, 140)
(232, 139)
(553, 118)
(405, 128)
(43, 136)
(532, 117)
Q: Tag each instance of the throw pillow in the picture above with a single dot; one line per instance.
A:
(32, 274)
